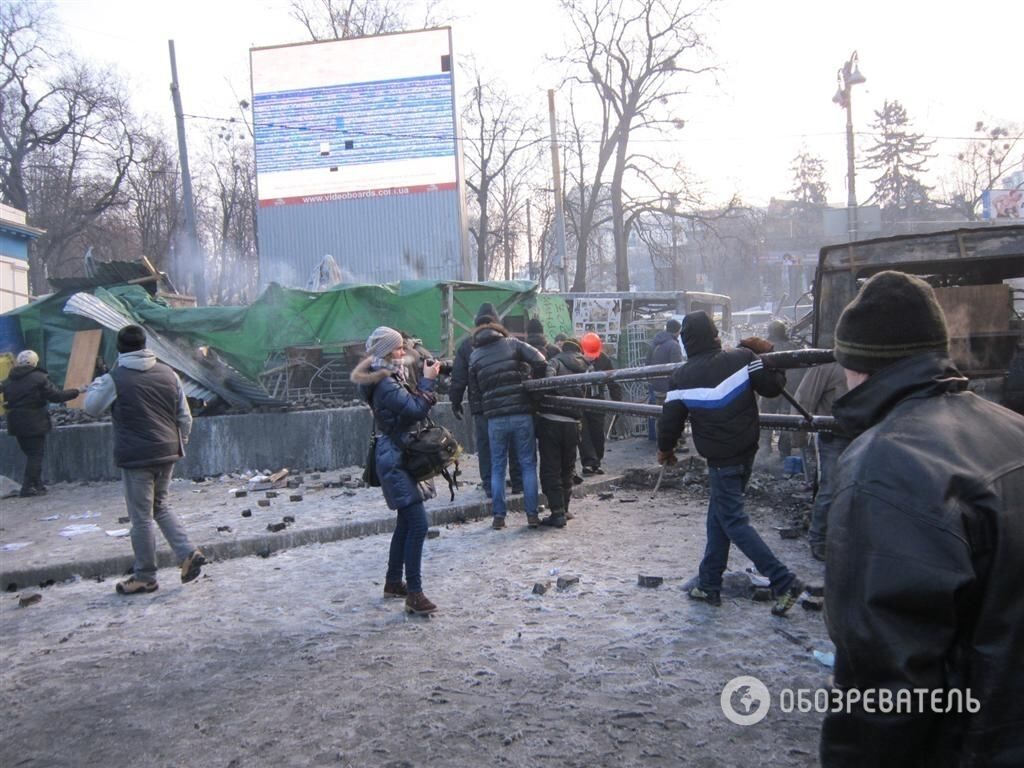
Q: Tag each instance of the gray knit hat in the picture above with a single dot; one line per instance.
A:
(383, 341)
(895, 315)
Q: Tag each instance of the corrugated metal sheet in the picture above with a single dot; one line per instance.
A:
(375, 240)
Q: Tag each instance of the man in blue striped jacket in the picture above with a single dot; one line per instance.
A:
(716, 390)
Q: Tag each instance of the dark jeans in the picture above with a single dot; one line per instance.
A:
(557, 441)
(33, 447)
(830, 448)
(728, 524)
(483, 457)
(508, 435)
(407, 546)
(592, 439)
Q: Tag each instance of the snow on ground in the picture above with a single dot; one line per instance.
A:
(297, 660)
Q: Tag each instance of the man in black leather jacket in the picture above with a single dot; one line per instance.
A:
(925, 557)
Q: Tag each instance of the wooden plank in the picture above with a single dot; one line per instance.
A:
(82, 364)
(971, 309)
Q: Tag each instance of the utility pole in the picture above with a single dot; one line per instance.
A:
(193, 256)
(529, 243)
(848, 76)
(556, 171)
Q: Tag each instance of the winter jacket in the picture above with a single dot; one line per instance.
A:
(715, 388)
(925, 569)
(603, 363)
(27, 391)
(147, 405)
(397, 410)
(497, 369)
(565, 364)
(664, 349)
(540, 342)
(460, 379)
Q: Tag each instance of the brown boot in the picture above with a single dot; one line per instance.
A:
(418, 603)
(395, 589)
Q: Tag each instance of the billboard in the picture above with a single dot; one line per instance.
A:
(1003, 204)
(357, 157)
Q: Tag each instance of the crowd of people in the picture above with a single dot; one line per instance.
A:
(919, 515)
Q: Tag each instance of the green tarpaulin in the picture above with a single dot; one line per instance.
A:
(281, 317)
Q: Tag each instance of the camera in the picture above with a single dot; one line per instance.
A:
(446, 365)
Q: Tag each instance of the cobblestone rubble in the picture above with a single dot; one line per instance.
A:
(297, 660)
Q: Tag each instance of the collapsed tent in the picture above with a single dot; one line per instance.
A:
(249, 339)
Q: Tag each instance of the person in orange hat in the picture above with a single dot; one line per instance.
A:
(593, 422)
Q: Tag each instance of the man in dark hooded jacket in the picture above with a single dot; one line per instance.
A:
(27, 393)
(664, 349)
(925, 556)
(558, 430)
(715, 389)
(460, 388)
(535, 338)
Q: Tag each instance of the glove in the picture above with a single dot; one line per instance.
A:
(667, 458)
(757, 345)
(457, 411)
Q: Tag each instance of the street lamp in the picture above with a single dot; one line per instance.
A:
(848, 76)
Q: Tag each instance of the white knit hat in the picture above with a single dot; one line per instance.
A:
(28, 357)
(383, 341)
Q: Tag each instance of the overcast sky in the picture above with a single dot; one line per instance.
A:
(949, 64)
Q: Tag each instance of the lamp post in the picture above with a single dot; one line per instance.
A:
(848, 76)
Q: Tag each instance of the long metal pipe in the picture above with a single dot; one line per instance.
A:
(797, 358)
(781, 421)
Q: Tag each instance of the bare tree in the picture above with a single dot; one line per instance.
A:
(340, 19)
(980, 166)
(632, 53)
(67, 135)
(229, 221)
(155, 197)
(497, 135)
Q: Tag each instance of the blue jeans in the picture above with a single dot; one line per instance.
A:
(517, 430)
(829, 449)
(145, 496)
(728, 524)
(407, 547)
(483, 457)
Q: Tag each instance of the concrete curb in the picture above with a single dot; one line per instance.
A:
(265, 544)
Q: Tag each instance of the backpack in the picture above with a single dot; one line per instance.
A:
(429, 451)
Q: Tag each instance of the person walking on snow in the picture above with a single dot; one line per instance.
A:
(152, 423)
(715, 389)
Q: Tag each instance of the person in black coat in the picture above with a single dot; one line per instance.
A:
(593, 424)
(460, 388)
(27, 392)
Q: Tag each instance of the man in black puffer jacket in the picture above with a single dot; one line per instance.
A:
(27, 394)
(715, 389)
(497, 369)
(460, 388)
(925, 556)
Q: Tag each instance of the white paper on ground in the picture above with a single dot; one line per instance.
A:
(14, 546)
(77, 530)
(83, 515)
(118, 532)
(51, 517)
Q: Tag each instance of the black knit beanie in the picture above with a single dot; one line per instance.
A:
(535, 326)
(895, 315)
(131, 338)
(486, 314)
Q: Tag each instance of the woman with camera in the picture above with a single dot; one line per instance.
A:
(397, 409)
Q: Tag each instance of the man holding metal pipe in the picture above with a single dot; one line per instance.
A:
(716, 389)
